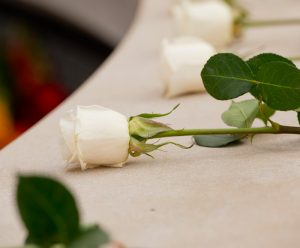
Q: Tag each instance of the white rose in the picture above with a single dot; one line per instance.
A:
(182, 61)
(210, 20)
(95, 136)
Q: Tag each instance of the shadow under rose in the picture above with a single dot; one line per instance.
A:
(129, 165)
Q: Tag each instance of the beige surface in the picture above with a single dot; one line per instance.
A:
(244, 196)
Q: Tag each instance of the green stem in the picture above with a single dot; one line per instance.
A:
(263, 23)
(245, 131)
(289, 130)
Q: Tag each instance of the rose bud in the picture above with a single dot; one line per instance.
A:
(212, 21)
(94, 136)
(182, 61)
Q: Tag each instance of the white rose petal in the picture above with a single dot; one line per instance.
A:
(95, 136)
(209, 20)
(182, 61)
(67, 126)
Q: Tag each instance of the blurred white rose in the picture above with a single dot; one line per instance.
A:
(95, 136)
(182, 61)
(212, 21)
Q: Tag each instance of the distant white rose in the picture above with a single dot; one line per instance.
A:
(182, 61)
(95, 136)
(212, 21)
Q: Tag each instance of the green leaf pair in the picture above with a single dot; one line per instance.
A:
(270, 78)
(51, 216)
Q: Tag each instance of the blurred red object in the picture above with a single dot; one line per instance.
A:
(48, 96)
(35, 89)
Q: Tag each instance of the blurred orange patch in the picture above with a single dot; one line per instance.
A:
(6, 125)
